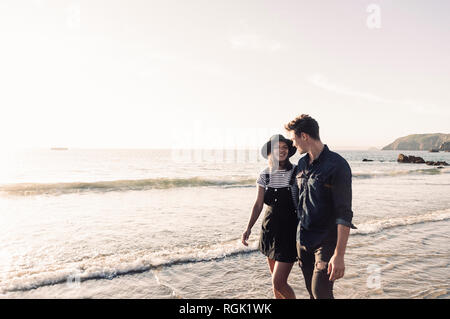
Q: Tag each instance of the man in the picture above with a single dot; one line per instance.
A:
(324, 180)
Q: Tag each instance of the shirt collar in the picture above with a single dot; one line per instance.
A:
(322, 155)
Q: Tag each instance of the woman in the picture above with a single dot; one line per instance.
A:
(276, 189)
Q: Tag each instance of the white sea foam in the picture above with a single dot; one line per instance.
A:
(110, 266)
(395, 173)
(376, 226)
(27, 189)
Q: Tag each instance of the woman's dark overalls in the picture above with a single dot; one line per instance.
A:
(279, 226)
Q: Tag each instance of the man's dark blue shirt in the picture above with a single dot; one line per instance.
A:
(325, 197)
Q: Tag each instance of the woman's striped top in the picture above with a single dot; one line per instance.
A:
(279, 179)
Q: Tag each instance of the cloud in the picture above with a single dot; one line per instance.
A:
(38, 3)
(190, 65)
(253, 42)
(322, 82)
(419, 107)
(243, 36)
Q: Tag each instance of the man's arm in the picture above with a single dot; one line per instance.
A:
(341, 193)
(336, 265)
(342, 201)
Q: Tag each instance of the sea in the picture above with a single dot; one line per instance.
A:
(139, 223)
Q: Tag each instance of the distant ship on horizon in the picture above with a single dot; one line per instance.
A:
(59, 148)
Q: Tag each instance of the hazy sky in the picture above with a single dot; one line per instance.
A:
(162, 73)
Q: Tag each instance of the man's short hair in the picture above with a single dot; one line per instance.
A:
(304, 124)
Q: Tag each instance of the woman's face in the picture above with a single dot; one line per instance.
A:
(280, 151)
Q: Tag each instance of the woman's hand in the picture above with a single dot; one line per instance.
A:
(245, 236)
(257, 207)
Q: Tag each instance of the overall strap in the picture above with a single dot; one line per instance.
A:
(293, 175)
(267, 176)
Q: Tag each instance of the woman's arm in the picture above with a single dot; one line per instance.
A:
(256, 211)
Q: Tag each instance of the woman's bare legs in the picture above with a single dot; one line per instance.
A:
(280, 273)
(271, 263)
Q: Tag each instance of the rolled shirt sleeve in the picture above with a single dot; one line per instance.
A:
(342, 195)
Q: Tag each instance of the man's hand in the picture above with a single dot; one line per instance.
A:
(336, 267)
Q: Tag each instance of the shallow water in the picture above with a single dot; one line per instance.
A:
(182, 240)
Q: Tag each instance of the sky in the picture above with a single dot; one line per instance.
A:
(220, 73)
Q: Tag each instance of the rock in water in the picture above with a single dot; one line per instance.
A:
(442, 163)
(419, 160)
(402, 158)
(410, 159)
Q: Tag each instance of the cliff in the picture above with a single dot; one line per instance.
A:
(445, 147)
(419, 142)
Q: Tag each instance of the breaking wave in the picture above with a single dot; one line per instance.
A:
(109, 266)
(106, 266)
(421, 171)
(376, 226)
(25, 189)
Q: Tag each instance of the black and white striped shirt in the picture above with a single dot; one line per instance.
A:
(279, 179)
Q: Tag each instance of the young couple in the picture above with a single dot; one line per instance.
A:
(308, 215)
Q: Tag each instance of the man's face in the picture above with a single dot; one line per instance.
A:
(299, 142)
